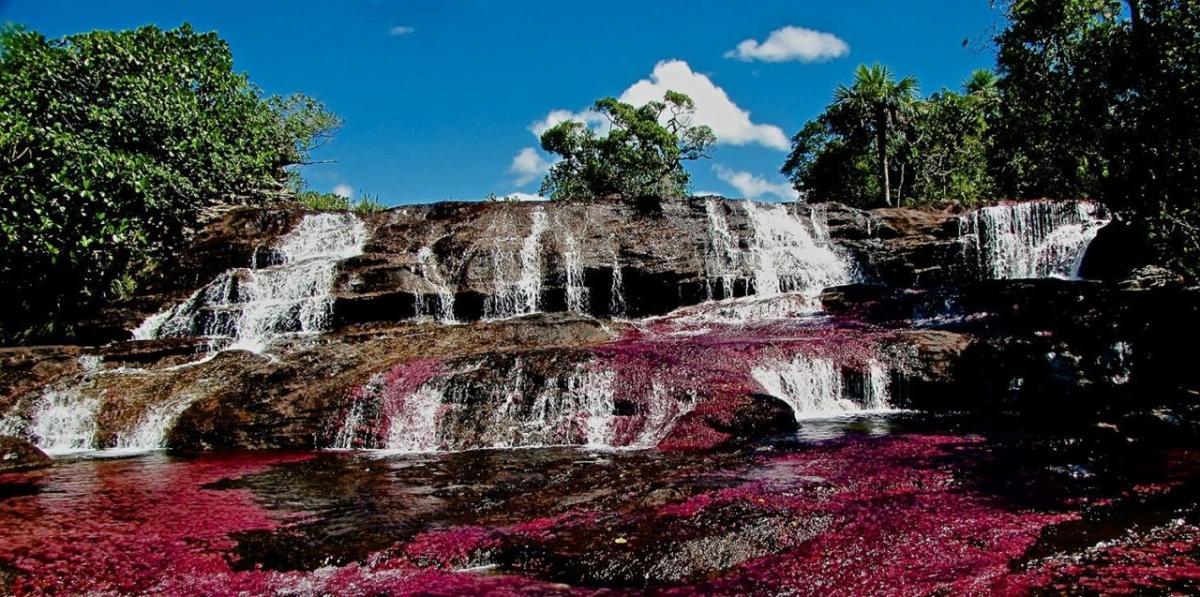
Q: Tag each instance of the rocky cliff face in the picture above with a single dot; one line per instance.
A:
(680, 325)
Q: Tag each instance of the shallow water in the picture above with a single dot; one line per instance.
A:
(865, 504)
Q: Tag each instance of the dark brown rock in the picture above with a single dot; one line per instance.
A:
(19, 455)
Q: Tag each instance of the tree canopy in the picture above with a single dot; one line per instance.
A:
(1102, 99)
(879, 143)
(642, 152)
(113, 143)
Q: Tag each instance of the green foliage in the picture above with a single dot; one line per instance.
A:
(1102, 98)
(112, 144)
(332, 202)
(642, 154)
(878, 140)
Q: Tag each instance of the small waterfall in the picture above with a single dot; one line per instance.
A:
(814, 387)
(247, 308)
(577, 292)
(151, 431)
(721, 259)
(616, 300)
(413, 428)
(663, 412)
(444, 295)
(1032, 239)
(785, 256)
(523, 295)
(65, 421)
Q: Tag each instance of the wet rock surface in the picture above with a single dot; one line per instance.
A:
(17, 454)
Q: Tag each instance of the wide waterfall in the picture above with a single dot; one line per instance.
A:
(1032, 239)
(814, 387)
(470, 408)
(523, 294)
(247, 308)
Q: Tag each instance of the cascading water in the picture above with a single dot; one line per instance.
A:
(577, 292)
(63, 419)
(616, 301)
(481, 405)
(785, 256)
(524, 294)
(814, 387)
(442, 292)
(1032, 239)
(247, 308)
(721, 259)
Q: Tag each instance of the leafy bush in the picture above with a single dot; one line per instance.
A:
(113, 144)
(332, 202)
(642, 154)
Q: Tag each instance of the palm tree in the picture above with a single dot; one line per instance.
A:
(880, 102)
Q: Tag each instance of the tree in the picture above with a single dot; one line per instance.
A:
(950, 142)
(1102, 99)
(642, 153)
(880, 103)
(935, 150)
(113, 145)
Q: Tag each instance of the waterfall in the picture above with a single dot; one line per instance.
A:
(63, 418)
(523, 295)
(65, 421)
(616, 300)
(486, 405)
(414, 427)
(721, 257)
(247, 308)
(577, 292)
(1032, 239)
(151, 430)
(785, 256)
(433, 276)
(814, 387)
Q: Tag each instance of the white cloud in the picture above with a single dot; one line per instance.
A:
(343, 190)
(731, 124)
(590, 118)
(792, 43)
(754, 187)
(399, 30)
(528, 164)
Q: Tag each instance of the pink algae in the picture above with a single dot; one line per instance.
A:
(125, 525)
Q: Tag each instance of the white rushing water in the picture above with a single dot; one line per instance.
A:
(247, 308)
(1032, 239)
(513, 409)
(442, 293)
(785, 256)
(522, 295)
(814, 387)
(616, 298)
(577, 291)
(722, 259)
(62, 419)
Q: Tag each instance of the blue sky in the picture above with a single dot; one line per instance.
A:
(439, 98)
